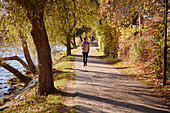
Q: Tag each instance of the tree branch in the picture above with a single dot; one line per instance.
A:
(18, 59)
(63, 43)
(18, 74)
(27, 54)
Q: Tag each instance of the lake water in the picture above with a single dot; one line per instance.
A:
(5, 75)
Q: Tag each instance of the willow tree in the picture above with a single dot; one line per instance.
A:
(34, 11)
(68, 15)
(11, 41)
(78, 32)
(14, 38)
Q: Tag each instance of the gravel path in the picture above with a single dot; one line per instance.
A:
(103, 89)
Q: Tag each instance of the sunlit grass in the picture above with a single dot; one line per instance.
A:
(62, 79)
(33, 102)
(75, 50)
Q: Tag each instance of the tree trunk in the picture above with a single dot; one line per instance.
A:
(81, 38)
(74, 42)
(18, 74)
(27, 54)
(134, 18)
(68, 44)
(18, 59)
(45, 78)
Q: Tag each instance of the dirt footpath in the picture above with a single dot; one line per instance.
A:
(103, 89)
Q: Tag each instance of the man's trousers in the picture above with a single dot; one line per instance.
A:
(85, 56)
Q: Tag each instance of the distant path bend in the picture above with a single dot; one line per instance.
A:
(103, 89)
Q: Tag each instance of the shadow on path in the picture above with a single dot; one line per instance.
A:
(135, 107)
(97, 72)
(95, 59)
(139, 108)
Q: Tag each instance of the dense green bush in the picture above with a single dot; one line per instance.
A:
(140, 51)
(109, 41)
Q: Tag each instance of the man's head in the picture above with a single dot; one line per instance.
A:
(85, 39)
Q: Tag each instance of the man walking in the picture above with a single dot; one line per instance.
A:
(85, 50)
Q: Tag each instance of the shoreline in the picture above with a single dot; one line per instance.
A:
(20, 86)
(61, 75)
(6, 76)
